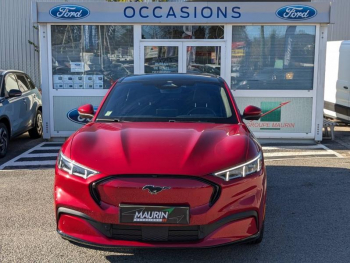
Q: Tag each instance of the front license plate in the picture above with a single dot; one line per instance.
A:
(154, 214)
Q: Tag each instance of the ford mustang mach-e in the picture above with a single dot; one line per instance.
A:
(166, 161)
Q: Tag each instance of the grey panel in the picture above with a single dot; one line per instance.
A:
(63, 105)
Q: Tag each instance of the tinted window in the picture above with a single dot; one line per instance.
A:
(167, 100)
(30, 82)
(11, 82)
(182, 32)
(22, 83)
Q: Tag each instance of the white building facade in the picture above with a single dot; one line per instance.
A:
(272, 55)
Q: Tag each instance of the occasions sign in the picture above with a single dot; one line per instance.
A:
(181, 12)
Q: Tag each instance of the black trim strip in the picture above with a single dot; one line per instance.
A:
(341, 109)
(207, 229)
(64, 210)
(90, 244)
(214, 197)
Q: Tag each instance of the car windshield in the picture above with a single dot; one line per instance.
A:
(168, 100)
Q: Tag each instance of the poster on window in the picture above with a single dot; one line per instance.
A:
(280, 115)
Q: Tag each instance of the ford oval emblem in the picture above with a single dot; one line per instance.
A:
(296, 12)
(73, 115)
(69, 12)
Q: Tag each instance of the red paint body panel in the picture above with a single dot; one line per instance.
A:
(160, 148)
(181, 156)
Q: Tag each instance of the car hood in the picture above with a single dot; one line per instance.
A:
(161, 148)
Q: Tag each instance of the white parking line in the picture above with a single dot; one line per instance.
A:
(279, 153)
(291, 147)
(331, 151)
(28, 154)
(38, 155)
(50, 148)
(316, 153)
(32, 163)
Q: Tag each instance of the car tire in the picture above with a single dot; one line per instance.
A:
(259, 238)
(4, 140)
(37, 130)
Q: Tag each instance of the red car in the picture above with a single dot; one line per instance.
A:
(166, 161)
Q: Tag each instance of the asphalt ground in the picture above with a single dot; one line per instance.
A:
(307, 218)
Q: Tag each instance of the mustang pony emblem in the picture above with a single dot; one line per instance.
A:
(154, 189)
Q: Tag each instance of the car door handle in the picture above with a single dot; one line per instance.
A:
(346, 87)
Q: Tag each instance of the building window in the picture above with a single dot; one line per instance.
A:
(89, 56)
(273, 57)
(182, 32)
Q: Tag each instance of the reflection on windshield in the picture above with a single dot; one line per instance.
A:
(161, 59)
(273, 57)
(168, 100)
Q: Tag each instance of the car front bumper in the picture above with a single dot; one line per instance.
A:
(80, 228)
(236, 216)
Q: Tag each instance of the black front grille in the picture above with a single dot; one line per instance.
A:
(155, 234)
(214, 197)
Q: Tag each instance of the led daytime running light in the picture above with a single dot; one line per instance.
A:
(225, 174)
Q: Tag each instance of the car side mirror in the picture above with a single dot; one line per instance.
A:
(86, 111)
(14, 93)
(251, 113)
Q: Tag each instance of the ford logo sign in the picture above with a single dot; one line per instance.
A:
(73, 115)
(69, 12)
(296, 12)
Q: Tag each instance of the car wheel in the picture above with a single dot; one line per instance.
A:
(37, 130)
(4, 140)
(260, 238)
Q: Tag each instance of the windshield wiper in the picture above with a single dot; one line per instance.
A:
(109, 120)
(187, 121)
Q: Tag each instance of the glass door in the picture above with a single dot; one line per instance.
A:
(204, 58)
(164, 57)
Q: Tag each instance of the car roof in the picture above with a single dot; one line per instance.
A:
(3, 71)
(173, 76)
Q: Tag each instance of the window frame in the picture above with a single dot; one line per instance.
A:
(5, 89)
(26, 82)
(50, 52)
(29, 82)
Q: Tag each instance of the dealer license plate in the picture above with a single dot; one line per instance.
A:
(154, 214)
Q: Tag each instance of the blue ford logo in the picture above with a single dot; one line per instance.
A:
(69, 12)
(296, 12)
(73, 115)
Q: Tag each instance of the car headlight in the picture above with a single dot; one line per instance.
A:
(71, 167)
(242, 170)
